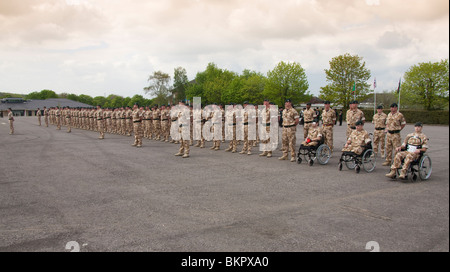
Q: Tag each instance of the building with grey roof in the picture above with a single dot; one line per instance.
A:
(22, 107)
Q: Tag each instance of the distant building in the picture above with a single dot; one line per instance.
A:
(22, 107)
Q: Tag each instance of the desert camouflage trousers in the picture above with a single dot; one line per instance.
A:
(408, 157)
(288, 140)
(392, 142)
(379, 140)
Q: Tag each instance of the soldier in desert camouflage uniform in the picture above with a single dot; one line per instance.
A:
(58, 118)
(290, 122)
(315, 134)
(184, 143)
(137, 116)
(157, 123)
(308, 116)
(266, 124)
(11, 121)
(46, 114)
(248, 144)
(232, 126)
(379, 135)
(357, 139)
(328, 121)
(68, 118)
(98, 117)
(165, 129)
(414, 144)
(39, 114)
(353, 115)
(395, 122)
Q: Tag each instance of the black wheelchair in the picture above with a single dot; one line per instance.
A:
(419, 168)
(367, 159)
(320, 152)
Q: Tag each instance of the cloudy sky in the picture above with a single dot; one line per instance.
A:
(103, 47)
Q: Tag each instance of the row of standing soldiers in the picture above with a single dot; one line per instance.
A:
(156, 120)
(155, 123)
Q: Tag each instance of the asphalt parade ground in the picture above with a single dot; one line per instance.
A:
(107, 196)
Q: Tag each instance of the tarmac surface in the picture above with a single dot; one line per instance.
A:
(107, 196)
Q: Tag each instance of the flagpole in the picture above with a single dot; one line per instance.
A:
(399, 87)
(374, 96)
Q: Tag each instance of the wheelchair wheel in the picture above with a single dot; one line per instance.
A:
(340, 166)
(323, 154)
(350, 162)
(369, 160)
(357, 169)
(425, 167)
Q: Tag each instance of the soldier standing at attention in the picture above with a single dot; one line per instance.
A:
(232, 116)
(395, 122)
(145, 122)
(68, 115)
(328, 122)
(191, 113)
(216, 121)
(157, 123)
(165, 129)
(379, 135)
(308, 117)
(11, 121)
(100, 127)
(46, 116)
(129, 121)
(114, 121)
(123, 122)
(248, 144)
(58, 118)
(137, 116)
(353, 115)
(184, 146)
(266, 124)
(291, 118)
(39, 114)
(414, 144)
(92, 116)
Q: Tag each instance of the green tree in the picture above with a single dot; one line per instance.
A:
(253, 87)
(83, 98)
(158, 87)
(44, 94)
(73, 97)
(210, 84)
(99, 100)
(126, 102)
(346, 73)
(117, 102)
(180, 81)
(286, 80)
(137, 99)
(248, 86)
(234, 91)
(427, 84)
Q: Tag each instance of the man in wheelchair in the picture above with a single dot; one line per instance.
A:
(358, 140)
(358, 151)
(413, 147)
(314, 135)
(313, 146)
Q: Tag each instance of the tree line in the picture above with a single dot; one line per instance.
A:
(424, 86)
